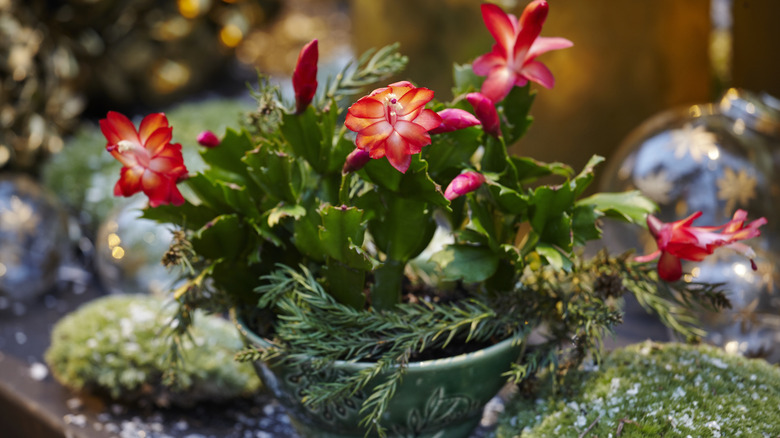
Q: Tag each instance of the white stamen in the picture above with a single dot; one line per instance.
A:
(124, 145)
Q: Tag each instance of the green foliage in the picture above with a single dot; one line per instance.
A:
(572, 311)
(114, 346)
(652, 390)
(272, 218)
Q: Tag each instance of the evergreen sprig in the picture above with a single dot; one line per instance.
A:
(571, 310)
(313, 328)
(372, 67)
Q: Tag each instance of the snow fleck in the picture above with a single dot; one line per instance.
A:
(614, 384)
(38, 371)
(678, 393)
(74, 404)
(581, 421)
(634, 390)
(717, 362)
(714, 427)
(77, 420)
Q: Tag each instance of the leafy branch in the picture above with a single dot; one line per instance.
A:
(313, 328)
(372, 67)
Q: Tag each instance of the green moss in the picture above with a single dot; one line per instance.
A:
(114, 345)
(652, 390)
(83, 174)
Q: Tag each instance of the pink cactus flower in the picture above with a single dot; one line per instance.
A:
(304, 77)
(453, 119)
(512, 62)
(464, 183)
(393, 122)
(208, 139)
(486, 113)
(355, 161)
(680, 240)
(150, 162)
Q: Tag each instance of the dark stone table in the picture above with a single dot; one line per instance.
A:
(34, 405)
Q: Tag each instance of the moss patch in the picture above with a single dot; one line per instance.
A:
(114, 345)
(653, 390)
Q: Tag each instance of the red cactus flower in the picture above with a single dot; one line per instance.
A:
(150, 162)
(208, 139)
(512, 62)
(464, 183)
(679, 240)
(304, 77)
(393, 122)
(453, 119)
(486, 113)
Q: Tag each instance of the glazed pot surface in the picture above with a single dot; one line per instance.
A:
(437, 398)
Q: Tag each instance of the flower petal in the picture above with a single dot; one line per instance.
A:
(150, 124)
(368, 137)
(669, 267)
(413, 134)
(158, 140)
(487, 62)
(363, 113)
(414, 99)
(498, 83)
(428, 119)
(531, 22)
(129, 181)
(500, 26)
(537, 72)
(116, 127)
(546, 44)
(397, 153)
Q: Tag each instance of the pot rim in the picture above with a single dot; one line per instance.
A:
(418, 365)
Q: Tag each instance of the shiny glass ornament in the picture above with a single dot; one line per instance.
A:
(715, 158)
(34, 238)
(129, 251)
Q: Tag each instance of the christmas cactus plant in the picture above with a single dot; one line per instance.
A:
(389, 226)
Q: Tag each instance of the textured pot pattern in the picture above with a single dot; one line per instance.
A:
(437, 398)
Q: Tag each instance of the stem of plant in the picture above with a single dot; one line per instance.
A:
(388, 280)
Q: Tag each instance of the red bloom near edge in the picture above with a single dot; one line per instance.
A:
(512, 62)
(150, 162)
(679, 240)
(304, 77)
(393, 122)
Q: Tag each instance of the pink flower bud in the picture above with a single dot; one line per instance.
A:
(355, 161)
(464, 183)
(453, 119)
(486, 113)
(208, 139)
(304, 77)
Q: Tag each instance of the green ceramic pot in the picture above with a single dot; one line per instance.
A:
(441, 398)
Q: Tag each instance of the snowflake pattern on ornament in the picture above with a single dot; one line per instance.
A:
(656, 186)
(696, 142)
(736, 188)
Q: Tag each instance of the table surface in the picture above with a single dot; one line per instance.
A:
(34, 404)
